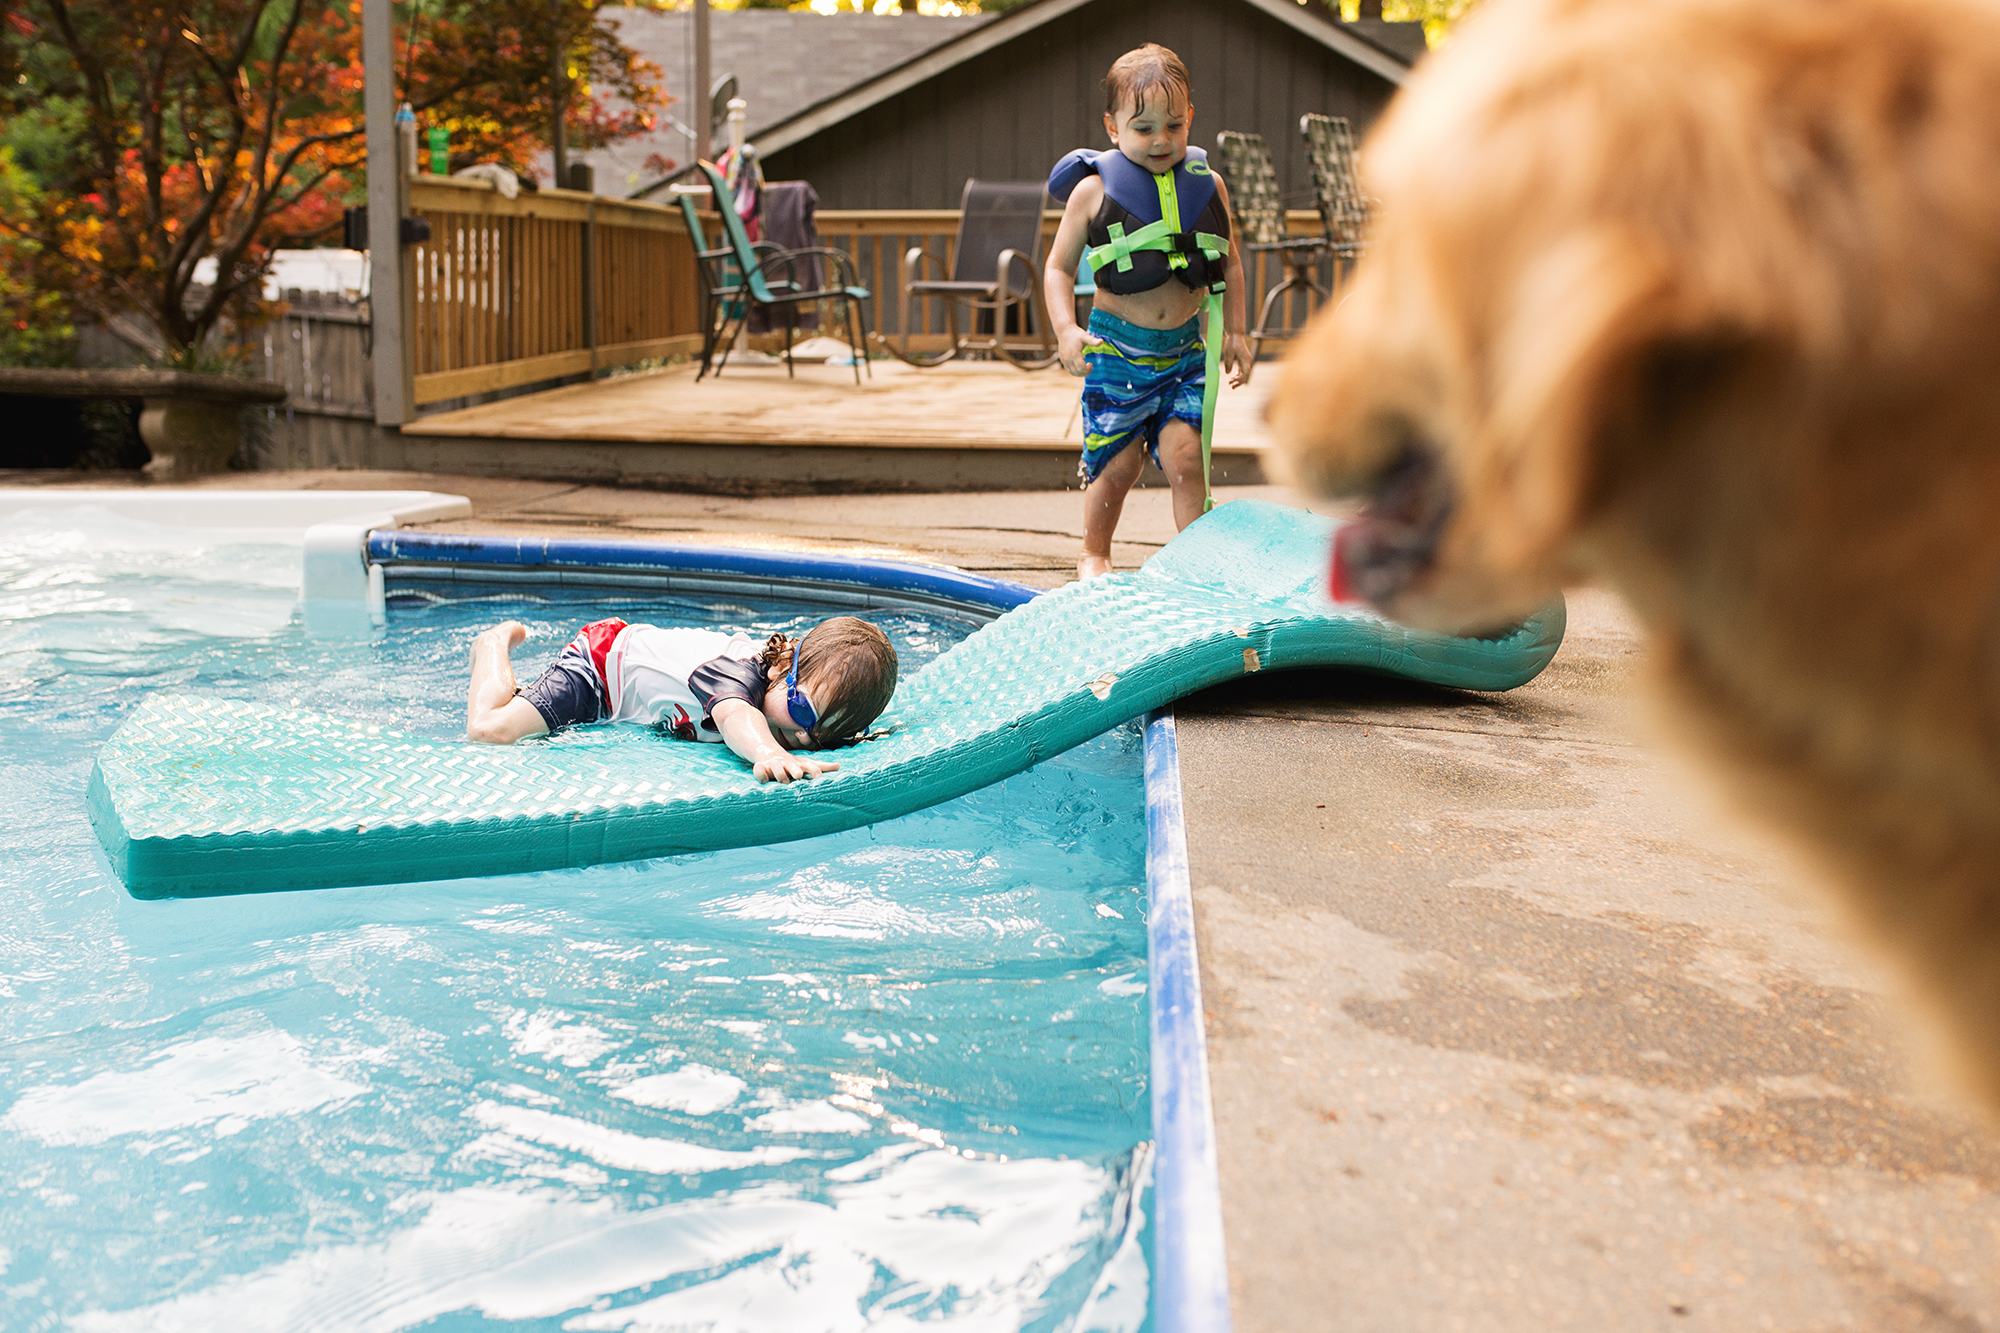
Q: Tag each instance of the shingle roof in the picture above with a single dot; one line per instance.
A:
(784, 61)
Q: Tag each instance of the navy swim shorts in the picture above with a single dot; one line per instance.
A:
(569, 691)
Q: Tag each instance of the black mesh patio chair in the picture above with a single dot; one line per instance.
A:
(1343, 211)
(1257, 212)
(996, 268)
(738, 276)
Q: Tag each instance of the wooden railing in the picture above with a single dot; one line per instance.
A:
(878, 238)
(509, 292)
(515, 291)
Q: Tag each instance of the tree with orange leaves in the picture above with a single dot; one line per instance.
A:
(144, 137)
(485, 69)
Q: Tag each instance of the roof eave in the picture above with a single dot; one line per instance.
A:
(823, 115)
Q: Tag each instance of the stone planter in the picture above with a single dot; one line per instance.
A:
(189, 420)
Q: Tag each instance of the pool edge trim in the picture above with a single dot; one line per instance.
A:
(879, 583)
(1190, 1263)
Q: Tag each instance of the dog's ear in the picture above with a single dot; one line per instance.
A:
(1572, 353)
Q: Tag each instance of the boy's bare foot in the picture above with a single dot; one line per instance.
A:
(1092, 566)
(507, 636)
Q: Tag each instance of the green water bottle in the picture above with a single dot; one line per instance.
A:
(440, 160)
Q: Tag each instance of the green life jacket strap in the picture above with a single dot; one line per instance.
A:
(1213, 381)
(1153, 236)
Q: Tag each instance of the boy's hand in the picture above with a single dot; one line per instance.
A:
(1071, 345)
(783, 766)
(1236, 359)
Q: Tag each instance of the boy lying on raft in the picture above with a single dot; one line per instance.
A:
(810, 693)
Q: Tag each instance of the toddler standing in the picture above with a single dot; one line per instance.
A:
(1143, 357)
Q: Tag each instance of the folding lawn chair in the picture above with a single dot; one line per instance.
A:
(1343, 211)
(1259, 219)
(739, 275)
(996, 267)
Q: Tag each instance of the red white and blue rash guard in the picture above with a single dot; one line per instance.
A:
(661, 677)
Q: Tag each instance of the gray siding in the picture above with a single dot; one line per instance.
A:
(1009, 113)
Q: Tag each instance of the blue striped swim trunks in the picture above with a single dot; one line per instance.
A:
(1139, 380)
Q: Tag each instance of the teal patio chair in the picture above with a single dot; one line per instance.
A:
(721, 279)
(739, 274)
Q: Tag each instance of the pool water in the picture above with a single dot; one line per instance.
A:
(881, 1079)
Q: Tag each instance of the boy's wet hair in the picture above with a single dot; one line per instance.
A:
(1139, 72)
(848, 668)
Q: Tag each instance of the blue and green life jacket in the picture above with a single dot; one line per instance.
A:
(1152, 228)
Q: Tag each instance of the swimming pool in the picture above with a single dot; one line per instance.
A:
(881, 1078)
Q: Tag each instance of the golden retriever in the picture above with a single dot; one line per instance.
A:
(1701, 299)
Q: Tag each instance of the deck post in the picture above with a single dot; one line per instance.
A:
(590, 281)
(389, 298)
(701, 98)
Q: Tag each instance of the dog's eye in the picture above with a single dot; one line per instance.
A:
(1413, 484)
(1403, 446)
(1680, 380)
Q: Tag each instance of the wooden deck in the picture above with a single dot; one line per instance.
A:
(976, 425)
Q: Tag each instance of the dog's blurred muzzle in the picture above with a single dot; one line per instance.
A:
(1394, 539)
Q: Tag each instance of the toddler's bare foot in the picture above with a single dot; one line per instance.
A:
(1092, 566)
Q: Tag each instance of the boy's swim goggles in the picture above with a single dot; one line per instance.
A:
(796, 702)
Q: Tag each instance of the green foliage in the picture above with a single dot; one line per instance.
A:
(1437, 16)
(208, 359)
(36, 326)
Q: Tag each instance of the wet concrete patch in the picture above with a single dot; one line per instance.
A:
(1616, 1001)
(1867, 1133)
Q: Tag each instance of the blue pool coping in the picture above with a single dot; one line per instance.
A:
(581, 562)
(1190, 1268)
(1190, 1263)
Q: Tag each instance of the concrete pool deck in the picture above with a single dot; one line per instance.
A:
(1507, 1028)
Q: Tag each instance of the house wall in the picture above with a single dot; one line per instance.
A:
(1009, 113)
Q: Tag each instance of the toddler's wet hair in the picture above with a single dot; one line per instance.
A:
(1139, 72)
(846, 666)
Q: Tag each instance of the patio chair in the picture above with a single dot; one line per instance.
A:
(1343, 211)
(1258, 215)
(739, 275)
(721, 280)
(996, 267)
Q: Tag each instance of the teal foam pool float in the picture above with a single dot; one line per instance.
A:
(196, 796)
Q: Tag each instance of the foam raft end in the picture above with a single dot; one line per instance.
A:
(195, 797)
